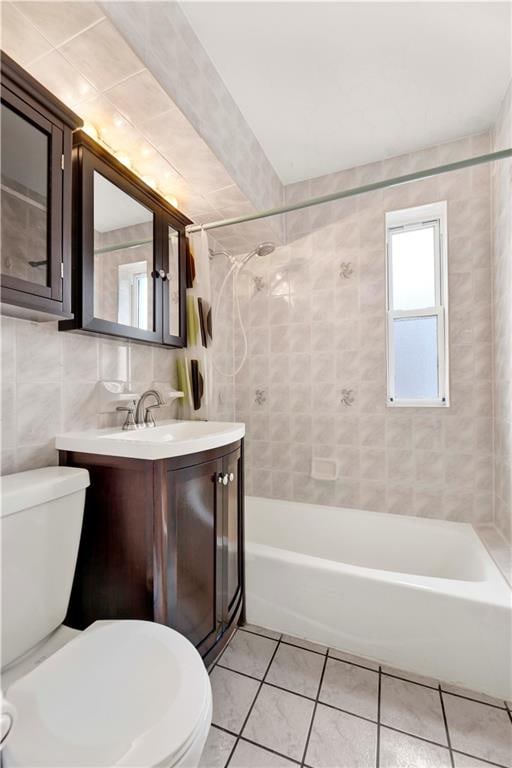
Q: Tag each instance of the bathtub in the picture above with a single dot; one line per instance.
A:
(418, 594)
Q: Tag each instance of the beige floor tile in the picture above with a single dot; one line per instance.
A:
(233, 695)
(400, 751)
(217, 749)
(248, 653)
(464, 761)
(412, 708)
(250, 756)
(296, 669)
(482, 731)
(410, 676)
(340, 740)
(351, 688)
(483, 697)
(307, 644)
(362, 662)
(280, 720)
(261, 631)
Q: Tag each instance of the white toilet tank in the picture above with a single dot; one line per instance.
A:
(41, 520)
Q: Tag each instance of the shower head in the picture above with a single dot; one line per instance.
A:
(262, 249)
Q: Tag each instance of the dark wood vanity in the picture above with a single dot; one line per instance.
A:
(163, 541)
(36, 197)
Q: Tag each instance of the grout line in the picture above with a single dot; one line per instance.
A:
(413, 735)
(477, 701)
(269, 749)
(433, 687)
(253, 703)
(255, 743)
(354, 664)
(482, 759)
(377, 761)
(259, 634)
(446, 727)
(306, 745)
(302, 648)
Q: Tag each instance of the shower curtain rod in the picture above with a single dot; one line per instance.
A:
(394, 182)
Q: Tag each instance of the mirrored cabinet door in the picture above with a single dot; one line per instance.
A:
(174, 298)
(123, 257)
(128, 251)
(115, 238)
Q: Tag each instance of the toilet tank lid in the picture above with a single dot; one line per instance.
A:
(23, 490)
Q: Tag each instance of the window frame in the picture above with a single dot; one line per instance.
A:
(411, 219)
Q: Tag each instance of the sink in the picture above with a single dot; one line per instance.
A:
(168, 439)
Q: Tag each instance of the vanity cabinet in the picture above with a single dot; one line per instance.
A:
(36, 137)
(128, 252)
(163, 541)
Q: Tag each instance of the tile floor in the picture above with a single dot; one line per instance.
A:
(279, 701)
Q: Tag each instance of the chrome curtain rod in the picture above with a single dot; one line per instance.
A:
(394, 182)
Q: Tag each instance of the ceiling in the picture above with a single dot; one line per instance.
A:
(331, 85)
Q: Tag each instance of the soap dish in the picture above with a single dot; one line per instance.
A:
(324, 469)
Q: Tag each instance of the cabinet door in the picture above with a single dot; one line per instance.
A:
(194, 553)
(173, 283)
(233, 533)
(31, 202)
(117, 243)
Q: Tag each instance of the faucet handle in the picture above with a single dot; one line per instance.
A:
(129, 422)
(149, 419)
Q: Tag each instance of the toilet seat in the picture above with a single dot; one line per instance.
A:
(130, 693)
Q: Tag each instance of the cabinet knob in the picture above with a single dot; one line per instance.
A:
(163, 274)
(225, 480)
(231, 477)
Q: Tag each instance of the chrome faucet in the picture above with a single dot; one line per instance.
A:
(134, 412)
(148, 420)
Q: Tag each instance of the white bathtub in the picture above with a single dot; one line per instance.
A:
(422, 595)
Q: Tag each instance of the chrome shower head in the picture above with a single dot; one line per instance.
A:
(265, 249)
(262, 249)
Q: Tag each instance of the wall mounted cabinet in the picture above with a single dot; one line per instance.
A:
(128, 252)
(163, 541)
(36, 131)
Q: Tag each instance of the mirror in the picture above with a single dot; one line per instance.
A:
(24, 198)
(173, 277)
(123, 257)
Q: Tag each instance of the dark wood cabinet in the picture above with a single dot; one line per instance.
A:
(36, 131)
(163, 540)
(128, 252)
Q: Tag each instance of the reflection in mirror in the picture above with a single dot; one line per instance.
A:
(173, 277)
(123, 257)
(24, 201)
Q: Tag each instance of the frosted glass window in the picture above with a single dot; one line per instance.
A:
(413, 268)
(417, 306)
(416, 358)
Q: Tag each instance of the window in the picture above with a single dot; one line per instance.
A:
(417, 306)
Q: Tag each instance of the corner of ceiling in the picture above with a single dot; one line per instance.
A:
(161, 36)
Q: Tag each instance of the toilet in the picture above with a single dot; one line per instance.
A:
(127, 693)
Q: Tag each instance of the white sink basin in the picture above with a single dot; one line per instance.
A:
(168, 439)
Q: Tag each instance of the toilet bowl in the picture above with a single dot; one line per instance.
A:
(127, 693)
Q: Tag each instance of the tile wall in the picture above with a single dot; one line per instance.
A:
(502, 316)
(49, 381)
(315, 382)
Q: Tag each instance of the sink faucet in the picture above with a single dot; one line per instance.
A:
(148, 420)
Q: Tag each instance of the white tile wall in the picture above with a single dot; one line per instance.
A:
(315, 381)
(502, 318)
(49, 381)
